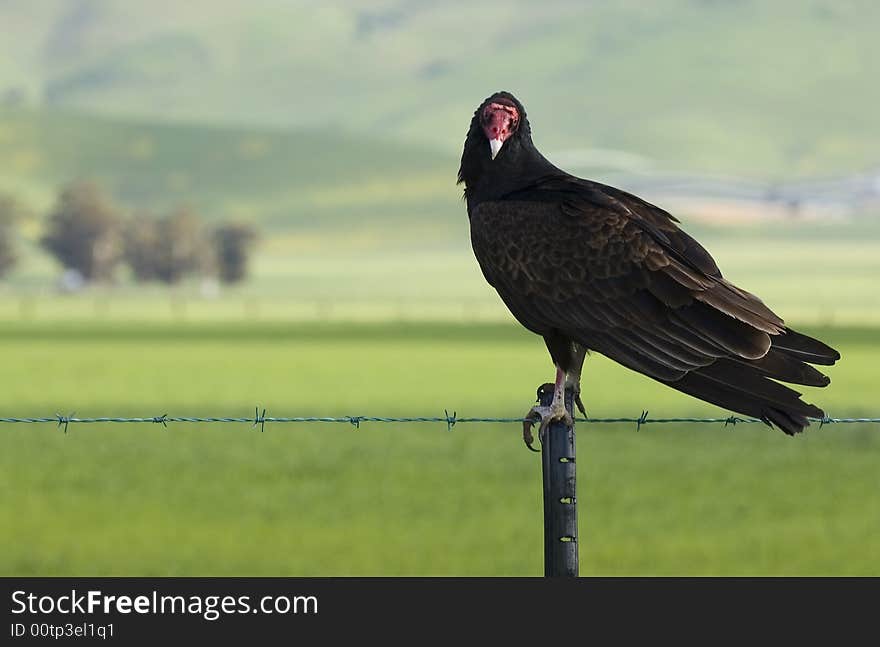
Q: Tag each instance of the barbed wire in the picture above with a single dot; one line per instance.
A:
(260, 419)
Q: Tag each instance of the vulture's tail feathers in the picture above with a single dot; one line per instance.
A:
(744, 389)
(748, 386)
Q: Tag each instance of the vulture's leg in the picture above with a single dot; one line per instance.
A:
(573, 376)
(546, 415)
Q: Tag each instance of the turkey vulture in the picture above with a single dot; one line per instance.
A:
(590, 267)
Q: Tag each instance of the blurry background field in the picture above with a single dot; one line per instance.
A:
(334, 130)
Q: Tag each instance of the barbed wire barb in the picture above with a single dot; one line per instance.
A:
(64, 420)
(260, 419)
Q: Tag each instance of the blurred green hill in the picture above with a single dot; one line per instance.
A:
(304, 179)
(784, 88)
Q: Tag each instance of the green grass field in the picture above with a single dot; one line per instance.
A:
(402, 499)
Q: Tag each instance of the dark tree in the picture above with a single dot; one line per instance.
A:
(85, 231)
(141, 243)
(233, 243)
(181, 245)
(166, 249)
(10, 211)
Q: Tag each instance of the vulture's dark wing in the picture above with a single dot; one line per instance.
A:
(616, 274)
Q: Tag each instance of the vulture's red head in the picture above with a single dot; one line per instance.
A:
(500, 118)
(498, 150)
(497, 137)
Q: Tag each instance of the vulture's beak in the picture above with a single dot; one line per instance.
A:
(495, 146)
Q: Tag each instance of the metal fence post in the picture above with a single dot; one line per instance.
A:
(559, 468)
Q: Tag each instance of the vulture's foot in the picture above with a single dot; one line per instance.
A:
(544, 415)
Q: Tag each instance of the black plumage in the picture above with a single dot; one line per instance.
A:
(586, 265)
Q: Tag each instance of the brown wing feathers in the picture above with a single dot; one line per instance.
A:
(656, 303)
(805, 348)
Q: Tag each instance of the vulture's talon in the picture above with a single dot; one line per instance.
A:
(579, 404)
(545, 415)
(529, 420)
